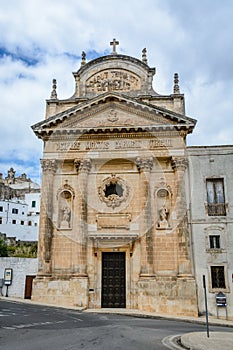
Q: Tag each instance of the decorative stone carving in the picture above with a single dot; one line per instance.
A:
(176, 89)
(144, 164)
(179, 163)
(113, 80)
(49, 165)
(144, 58)
(54, 90)
(83, 165)
(113, 191)
(112, 117)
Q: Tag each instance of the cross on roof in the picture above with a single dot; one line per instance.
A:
(114, 43)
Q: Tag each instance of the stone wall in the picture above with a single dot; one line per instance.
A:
(22, 267)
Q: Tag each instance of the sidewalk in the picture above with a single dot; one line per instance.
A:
(193, 341)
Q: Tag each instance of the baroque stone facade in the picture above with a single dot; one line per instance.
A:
(114, 226)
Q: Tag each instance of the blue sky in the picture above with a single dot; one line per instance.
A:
(43, 39)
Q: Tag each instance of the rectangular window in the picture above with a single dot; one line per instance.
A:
(33, 204)
(0, 220)
(218, 277)
(215, 197)
(21, 222)
(15, 211)
(214, 242)
(14, 222)
(1, 208)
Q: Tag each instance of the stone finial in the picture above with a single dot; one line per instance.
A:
(83, 58)
(54, 90)
(176, 89)
(144, 58)
(114, 44)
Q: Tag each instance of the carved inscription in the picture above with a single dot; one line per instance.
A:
(113, 145)
(116, 79)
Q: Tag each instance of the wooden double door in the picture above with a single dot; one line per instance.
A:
(113, 280)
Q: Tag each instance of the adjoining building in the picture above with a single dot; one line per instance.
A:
(121, 220)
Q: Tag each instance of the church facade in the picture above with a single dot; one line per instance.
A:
(115, 221)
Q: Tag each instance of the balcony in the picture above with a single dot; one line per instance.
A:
(216, 209)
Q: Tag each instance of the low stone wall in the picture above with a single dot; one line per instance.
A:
(22, 267)
(68, 293)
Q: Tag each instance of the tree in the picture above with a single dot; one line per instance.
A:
(3, 248)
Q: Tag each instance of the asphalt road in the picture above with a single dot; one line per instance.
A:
(33, 327)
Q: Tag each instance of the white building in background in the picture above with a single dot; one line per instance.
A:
(20, 218)
(19, 207)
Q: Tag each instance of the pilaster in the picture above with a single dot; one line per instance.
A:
(179, 166)
(83, 167)
(144, 166)
(49, 167)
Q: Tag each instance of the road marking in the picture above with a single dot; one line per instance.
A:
(170, 342)
(20, 326)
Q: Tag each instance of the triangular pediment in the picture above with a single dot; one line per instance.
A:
(110, 112)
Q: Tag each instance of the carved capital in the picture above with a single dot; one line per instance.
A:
(49, 165)
(83, 165)
(144, 164)
(179, 163)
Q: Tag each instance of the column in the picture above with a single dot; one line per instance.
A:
(83, 168)
(179, 166)
(145, 166)
(49, 167)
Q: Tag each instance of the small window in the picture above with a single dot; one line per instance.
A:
(35, 223)
(33, 204)
(14, 222)
(218, 277)
(214, 242)
(0, 220)
(21, 222)
(29, 223)
(215, 197)
(22, 212)
(1, 208)
(15, 211)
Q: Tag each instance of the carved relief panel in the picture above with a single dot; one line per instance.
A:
(113, 80)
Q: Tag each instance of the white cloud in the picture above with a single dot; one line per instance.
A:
(43, 39)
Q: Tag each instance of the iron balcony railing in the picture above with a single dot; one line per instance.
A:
(216, 209)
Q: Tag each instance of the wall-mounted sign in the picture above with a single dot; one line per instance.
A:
(221, 299)
(8, 275)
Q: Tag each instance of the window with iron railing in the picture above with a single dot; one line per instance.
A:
(218, 277)
(215, 197)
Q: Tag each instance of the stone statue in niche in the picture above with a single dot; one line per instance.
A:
(163, 215)
(66, 213)
(65, 205)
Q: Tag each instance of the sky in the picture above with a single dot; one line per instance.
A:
(43, 39)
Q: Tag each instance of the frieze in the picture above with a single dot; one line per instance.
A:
(120, 144)
(113, 80)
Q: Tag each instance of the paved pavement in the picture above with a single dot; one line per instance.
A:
(192, 341)
(200, 341)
